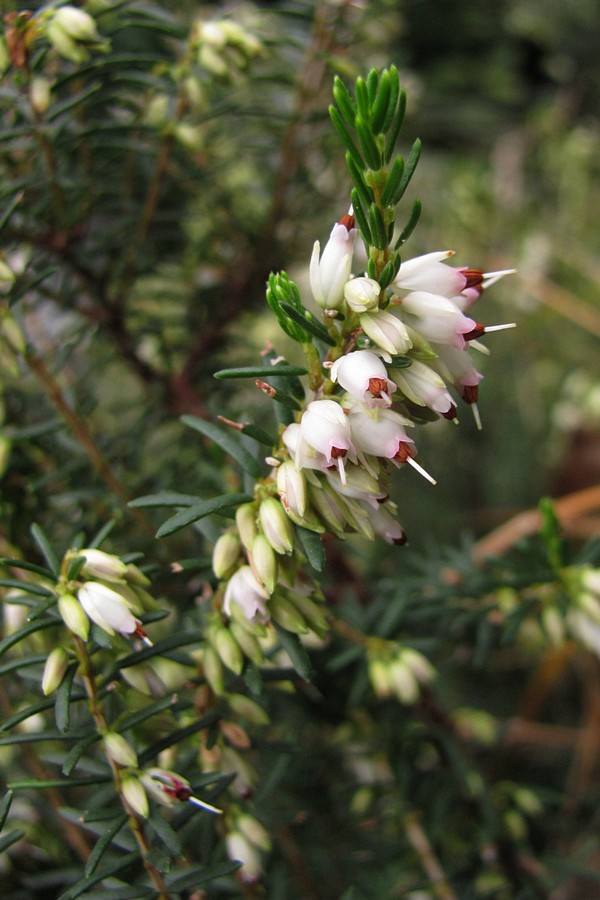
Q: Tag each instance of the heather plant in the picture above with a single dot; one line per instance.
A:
(227, 699)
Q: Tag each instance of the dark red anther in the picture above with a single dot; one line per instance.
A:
(402, 540)
(140, 631)
(405, 451)
(470, 393)
(183, 792)
(336, 452)
(474, 277)
(450, 414)
(377, 387)
(477, 332)
(348, 221)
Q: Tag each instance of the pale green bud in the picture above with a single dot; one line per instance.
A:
(5, 448)
(276, 526)
(253, 830)
(12, 333)
(387, 331)
(226, 554)
(135, 795)
(247, 641)
(310, 611)
(73, 616)
(213, 670)
(39, 94)
(7, 277)
(404, 682)
(190, 136)
(212, 61)
(329, 508)
(54, 670)
(101, 565)
(286, 615)
(156, 112)
(264, 562)
(119, 749)
(248, 709)
(75, 23)
(379, 676)
(362, 294)
(418, 664)
(291, 486)
(135, 577)
(237, 614)
(553, 624)
(245, 519)
(228, 649)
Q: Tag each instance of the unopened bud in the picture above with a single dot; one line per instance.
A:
(225, 554)
(228, 649)
(99, 564)
(286, 615)
(73, 616)
(362, 294)
(264, 562)
(311, 612)
(54, 670)
(213, 670)
(247, 641)
(245, 519)
(39, 94)
(276, 526)
(291, 486)
(135, 795)
(119, 749)
(248, 709)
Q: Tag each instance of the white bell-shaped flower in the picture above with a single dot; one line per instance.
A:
(108, 608)
(437, 318)
(426, 388)
(329, 273)
(365, 377)
(325, 428)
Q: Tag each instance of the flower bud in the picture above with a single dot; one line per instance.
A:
(99, 564)
(362, 294)
(73, 616)
(245, 519)
(379, 676)
(286, 615)
(253, 830)
(135, 795)
(264, 562)
(404, 683)
(386, 331)
(291, 486)
(227, 648)
(119, 749)
(248, 709)
(248, 643)
(239, 848)
(39, 94)
(225, 554)
(329, 274)
(213, 670)
(7, 277)
(311, 612)
(54, 670)
(276, 526)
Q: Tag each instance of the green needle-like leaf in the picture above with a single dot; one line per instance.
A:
(356, 174)
(342, 129)
(394, 82)
(393, 181)
(395, 126)
(227, 442)
(259, 371)
(367, 143)
(309, 323)
(410, 225)
(361, 219)
(198, 511)
(409, 168)
(344, 101)
(380, 104)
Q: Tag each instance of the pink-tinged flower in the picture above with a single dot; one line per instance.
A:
(109, 609)
(169, 788)
(382, 434)
(365, 377)
(426, 388)
(244, 589)
(291, 487)
(436, 318)
(325, 428)
(329, 274)
(457, 367)
(386, 526)
(240, 849)
(477, 283)
(429, 273)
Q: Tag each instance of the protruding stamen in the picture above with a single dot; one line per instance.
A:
(489, 328)
(420, 470)
(476, 416)
(491, 278)
(481, 329)
(474, 277)
(206, 806)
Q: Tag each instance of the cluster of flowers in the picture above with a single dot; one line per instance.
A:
(106, 591)
(407, 344)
